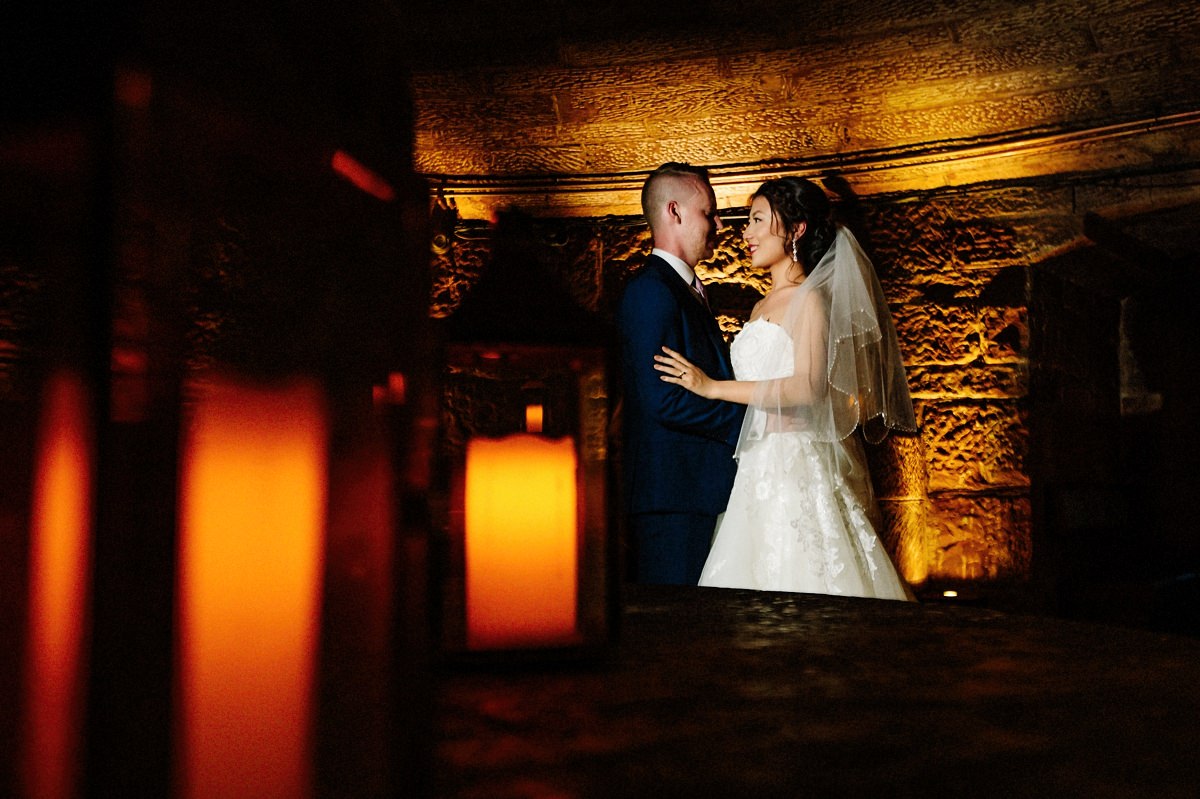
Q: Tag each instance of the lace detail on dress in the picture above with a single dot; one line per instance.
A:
(796, 529)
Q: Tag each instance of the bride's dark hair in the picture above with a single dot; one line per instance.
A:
(795, 200)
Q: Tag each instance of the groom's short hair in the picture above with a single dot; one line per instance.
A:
(654, 189)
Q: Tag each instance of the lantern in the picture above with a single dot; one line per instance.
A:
(529, 569)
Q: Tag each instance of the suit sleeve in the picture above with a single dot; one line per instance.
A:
(650, 317)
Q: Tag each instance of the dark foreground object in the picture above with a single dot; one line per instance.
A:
(713, 692)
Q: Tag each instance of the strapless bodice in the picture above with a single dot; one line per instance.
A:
(761, 351)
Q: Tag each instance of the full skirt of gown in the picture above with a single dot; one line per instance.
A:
(791, 526)
(801, 515)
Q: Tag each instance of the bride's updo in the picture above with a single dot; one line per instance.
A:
(795, 200)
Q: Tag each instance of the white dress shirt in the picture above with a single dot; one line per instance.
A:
(683, 270)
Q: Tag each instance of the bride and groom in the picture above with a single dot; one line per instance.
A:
(760, 434)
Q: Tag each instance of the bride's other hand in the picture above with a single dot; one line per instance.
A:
(682, 372)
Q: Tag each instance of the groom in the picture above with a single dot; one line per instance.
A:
(678, 458)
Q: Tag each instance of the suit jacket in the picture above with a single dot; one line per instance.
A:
(678, 453)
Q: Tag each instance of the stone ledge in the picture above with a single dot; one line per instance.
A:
(1134, 146)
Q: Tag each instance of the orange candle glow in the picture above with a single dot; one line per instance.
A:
(59, 561)
(533, 418)
(521, 530)
(252, 510)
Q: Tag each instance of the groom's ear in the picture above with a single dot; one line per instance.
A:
(672, 211)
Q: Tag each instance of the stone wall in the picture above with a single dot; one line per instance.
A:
(961, 269)
(1007, 165)
(558, 108)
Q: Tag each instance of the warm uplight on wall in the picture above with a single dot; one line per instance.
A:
(252, 511)
(59, 564)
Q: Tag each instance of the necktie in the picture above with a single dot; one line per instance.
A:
(698, 287)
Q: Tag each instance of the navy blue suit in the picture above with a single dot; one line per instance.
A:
(678, 455)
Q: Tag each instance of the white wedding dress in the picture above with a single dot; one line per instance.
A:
(801, 515)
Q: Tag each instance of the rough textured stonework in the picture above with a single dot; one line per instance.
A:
(959, 269)
(454, 270)
(525, 92)
(974, 445)
(980, 537)
(955, 498)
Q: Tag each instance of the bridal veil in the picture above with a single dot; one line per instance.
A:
(847, 366)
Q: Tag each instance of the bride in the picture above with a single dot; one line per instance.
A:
(817, 359)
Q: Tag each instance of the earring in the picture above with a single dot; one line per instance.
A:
(796, 250)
